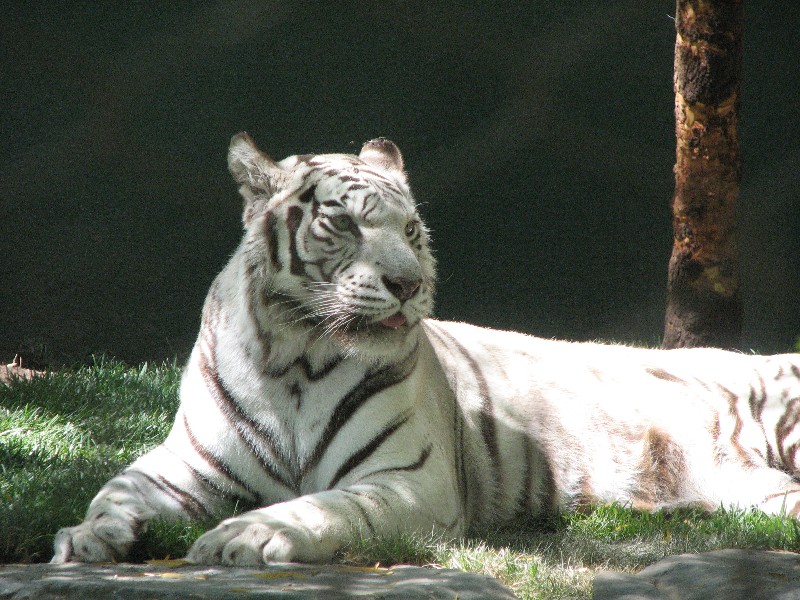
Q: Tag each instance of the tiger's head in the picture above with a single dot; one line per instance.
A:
(334, 244)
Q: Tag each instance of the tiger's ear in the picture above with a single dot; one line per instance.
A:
(384, 154)
(255, 171)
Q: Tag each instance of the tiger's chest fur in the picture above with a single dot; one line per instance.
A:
(290, 400)
(322, 395)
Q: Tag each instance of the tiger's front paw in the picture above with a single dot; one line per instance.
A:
(254, 539)
(107, 534)
(99, 540)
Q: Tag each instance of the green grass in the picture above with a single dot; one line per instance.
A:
(63, 436)
(558, 558)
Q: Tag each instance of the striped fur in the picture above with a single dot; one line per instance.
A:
(322, 400)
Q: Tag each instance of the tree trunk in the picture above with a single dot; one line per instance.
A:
(703, 306)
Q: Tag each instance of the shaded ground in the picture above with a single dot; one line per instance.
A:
(175, 579)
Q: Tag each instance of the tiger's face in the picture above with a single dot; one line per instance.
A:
(338, 242)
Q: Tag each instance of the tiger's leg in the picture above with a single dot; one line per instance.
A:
(780, 421)
(314, 527)
(159, 484)
(783, 498)
(784, 502)
(764, 488)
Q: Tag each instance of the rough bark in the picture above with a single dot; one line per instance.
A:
(703, 305)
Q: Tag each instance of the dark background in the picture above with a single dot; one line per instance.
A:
(538, 136)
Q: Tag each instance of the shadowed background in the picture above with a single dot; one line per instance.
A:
(539, 139)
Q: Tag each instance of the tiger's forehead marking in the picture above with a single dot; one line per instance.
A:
(347, 178)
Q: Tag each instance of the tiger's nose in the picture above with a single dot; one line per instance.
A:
(401, 288)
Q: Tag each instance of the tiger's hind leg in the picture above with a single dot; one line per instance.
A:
(783, 502)
(769, 490)
(778, 412)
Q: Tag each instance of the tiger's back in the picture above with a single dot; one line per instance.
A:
(560, 424)
(322, 396)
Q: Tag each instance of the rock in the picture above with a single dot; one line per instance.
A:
(729, 574)
(175, 579)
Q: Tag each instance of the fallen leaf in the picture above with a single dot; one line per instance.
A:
(169, 562)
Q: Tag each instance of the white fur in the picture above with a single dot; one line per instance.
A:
(455, 426)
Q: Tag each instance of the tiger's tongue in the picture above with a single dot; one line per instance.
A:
(396, 320)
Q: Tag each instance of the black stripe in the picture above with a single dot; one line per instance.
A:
(771, 461)
(225, 494)
(378, 496)
(665, 375)
(329, 366)
(374, 495)
(458, 436)
(250, 269)
(758, 401)
(365, 452)
(254, 297)
(342, 266)
(527, 480)
(377, 176)
(486, 415)
(788, 460)
(415, 466)
(364, 513)
(365, 212)
(354, 230)
(245, 427)
(324, 225)
(309, 372)
(784, 427)
(216, 463)
(271, 233)
(308, 195)
(324, 239)
(419, 463)
(366, 298)
(373, 383)
(191, 505)
(733, 412)
(293, 218)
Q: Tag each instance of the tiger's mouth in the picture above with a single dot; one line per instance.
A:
(398, 319)
(389, 326)
(346, 323)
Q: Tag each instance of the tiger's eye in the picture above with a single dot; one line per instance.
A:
(411, 228)
(342, 222)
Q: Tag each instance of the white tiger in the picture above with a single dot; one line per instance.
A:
(320, 394)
